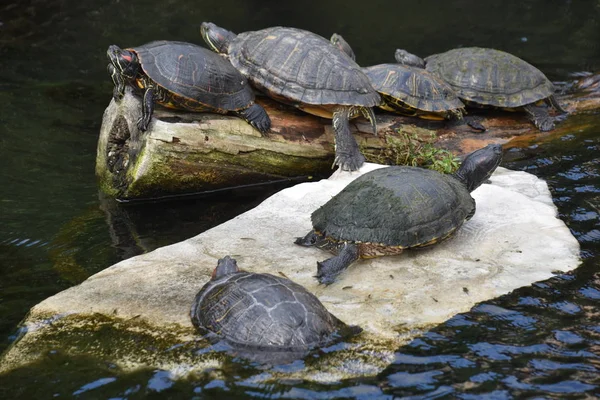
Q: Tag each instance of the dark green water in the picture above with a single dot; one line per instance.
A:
(542, 340)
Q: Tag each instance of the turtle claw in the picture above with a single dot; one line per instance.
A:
(326, 272)
(256, 116)
(325, 279)
(329, 269)
(475, 123)
(262, 128)
(349, 162)
(545, 124)
(142, 124)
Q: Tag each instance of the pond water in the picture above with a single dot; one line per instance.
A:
(56, 230)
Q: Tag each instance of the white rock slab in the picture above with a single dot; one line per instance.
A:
(514, 239)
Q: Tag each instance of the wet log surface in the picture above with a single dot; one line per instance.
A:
(184, 153)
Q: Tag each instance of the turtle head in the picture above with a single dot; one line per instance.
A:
(479, 165)
(225, 266)
(406, 58)
(339, 42)
(123, 62)
(216, 38)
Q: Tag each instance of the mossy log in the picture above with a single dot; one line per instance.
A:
(184, 153)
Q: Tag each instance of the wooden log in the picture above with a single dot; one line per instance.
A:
(184, 153)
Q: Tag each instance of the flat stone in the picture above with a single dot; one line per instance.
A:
(514, 239)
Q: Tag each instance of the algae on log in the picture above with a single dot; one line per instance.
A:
(201, 152)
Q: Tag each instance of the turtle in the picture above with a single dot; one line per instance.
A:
(394, 208)
(263, 316)
(409, 90)
(305, 70)
(183, 76)
(492, 78)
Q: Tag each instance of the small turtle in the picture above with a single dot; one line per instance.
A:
(391, 209)
(262, 315)
(183, 76)
(409, 90)
(305, 70)
(489, 77)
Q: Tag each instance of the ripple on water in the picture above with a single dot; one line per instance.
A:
(421, 380)
(551, 365)
(592, 236)
(590, 292)
(515, 318)
(568, 337)
(161, 380)
(495, 395)
(25, 242)
(504, 352)
(570, 386)
(566, 307)
(94, 385)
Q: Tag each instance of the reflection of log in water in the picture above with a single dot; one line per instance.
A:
(186, 152)
(69, 250)
(140, 228)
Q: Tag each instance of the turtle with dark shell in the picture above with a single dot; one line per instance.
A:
(262, 316)
(183, 76)
(391, 209)
(305, 70)
(409, 90)
(492, 78)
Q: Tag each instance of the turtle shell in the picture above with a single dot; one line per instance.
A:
(262, 310)
(195, 75)
(413, 86)
(397, 206)
(490, 77)
(300, 67)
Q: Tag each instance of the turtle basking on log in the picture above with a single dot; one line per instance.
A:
(304, 70)
(183, 76)
(262, 316)
(391, 209)
(485, 77)
(408, 90)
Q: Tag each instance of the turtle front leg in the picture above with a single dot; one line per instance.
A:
(329, 269)
(540, 117)
(347, 153)
(256, 116)
(117, 78)
(147, 109)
